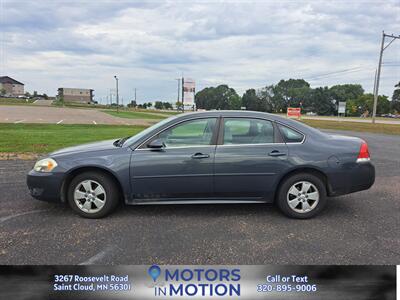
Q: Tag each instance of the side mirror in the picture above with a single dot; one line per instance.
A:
(156, 144)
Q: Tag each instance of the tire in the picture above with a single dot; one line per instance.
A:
(96, 204)
(297, 194)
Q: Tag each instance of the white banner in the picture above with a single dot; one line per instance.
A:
(342, 107)
(188, 87)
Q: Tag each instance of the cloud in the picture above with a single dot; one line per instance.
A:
(48, 44)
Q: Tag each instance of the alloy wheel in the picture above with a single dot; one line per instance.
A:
(90, 196)
(302, 197)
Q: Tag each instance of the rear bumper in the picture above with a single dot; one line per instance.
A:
(355, 177)
(45, 186)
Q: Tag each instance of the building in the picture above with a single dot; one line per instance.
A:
(76, 95)
(11, 87)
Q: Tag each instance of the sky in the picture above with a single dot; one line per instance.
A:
(148, 44)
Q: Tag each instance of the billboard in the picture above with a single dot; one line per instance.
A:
(188, 90)
(294, 112)
(342, 107)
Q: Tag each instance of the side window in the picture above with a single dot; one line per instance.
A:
(190, 133)
(290, 135)
(247, 131)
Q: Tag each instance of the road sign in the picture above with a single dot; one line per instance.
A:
(294, 112)
(342, 107)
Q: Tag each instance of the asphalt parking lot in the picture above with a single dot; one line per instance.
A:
(361, 228)
(62, 115)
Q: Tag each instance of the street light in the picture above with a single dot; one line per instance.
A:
(116, 80)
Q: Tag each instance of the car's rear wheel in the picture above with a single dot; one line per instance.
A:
(93, 194)
(302, 196)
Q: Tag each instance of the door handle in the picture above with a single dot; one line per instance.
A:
(276, 153)
(200, 155)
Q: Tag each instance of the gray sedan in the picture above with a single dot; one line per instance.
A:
(208, 157)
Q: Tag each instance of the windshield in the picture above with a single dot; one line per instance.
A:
(141, 134)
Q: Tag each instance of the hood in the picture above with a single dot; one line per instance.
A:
(96, 146)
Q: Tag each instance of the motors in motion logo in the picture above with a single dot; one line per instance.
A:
(191, 282)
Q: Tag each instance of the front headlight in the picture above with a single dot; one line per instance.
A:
(45, 165)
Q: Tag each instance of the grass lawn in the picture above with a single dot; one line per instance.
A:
(137, 114)
(44, 138)
(15, 101)
(354, 126)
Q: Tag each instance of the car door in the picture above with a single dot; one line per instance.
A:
(182, 169)
(249, 158)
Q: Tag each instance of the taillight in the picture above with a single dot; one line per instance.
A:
(364, 153)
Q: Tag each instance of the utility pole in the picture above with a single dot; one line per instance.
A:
(183, 105)
(179, 88)
(116, 80)
(378, 74)
(135, 95)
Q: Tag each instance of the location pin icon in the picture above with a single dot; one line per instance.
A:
(154, 271)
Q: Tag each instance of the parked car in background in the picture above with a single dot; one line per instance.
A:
(208, 157)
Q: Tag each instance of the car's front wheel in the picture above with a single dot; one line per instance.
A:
(302, 196)
(92, 194)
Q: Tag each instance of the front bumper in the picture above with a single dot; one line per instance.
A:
(45, 186)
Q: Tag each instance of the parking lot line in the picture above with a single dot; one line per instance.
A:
(19, 121)
(95, 258)
(6, 218)
(59, 122)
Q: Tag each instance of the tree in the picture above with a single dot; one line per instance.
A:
(319, 100)
(158, 105)
(167, 105)
(252, 101)
(345, 92)
(179, 105)
(220, 97)
(287, 93)
(364, 104)
(395, 105)
(3, 91)
(132, 104)
(45, 96)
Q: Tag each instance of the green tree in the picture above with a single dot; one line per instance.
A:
(179, 105)
(167, 105)
(319, 100)
(252, 101)
(287, 93)
(3, 91)
(345, 92)
(395, 105)
(364, 104)
(132, 104)
(158, 105)
(220, 97)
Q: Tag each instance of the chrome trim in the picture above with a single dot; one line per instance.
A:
(295, 129)
(261, 144)
(177, 147)
(172, 176)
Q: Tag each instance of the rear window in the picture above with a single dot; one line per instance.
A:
(290, 135)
